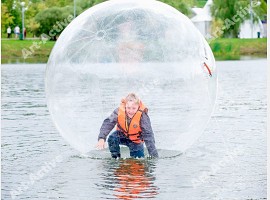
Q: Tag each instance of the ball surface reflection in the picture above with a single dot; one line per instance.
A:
(121, 46)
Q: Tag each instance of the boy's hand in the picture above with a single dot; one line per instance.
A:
(101, 144)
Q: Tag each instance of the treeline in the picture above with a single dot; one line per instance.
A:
(46, 16)
(40, 15)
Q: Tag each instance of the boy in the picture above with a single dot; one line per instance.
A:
(133, 129)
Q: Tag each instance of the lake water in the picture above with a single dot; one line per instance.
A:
(228, 162)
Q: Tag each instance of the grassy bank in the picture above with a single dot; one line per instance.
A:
(36, 51)
(234, 49)
(25, 51)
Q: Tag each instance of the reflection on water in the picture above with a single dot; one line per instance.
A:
(130, 178)
(21, 60)
(239, 57)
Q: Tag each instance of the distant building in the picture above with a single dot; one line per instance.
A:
(251, 30)
(203, 19)
(264, 22)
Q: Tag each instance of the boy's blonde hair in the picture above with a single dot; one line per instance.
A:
(132, 97)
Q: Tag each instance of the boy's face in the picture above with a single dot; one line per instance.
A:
(131, 108)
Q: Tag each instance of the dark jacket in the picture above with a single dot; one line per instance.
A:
(147, 132)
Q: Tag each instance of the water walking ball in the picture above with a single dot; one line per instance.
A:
(123, 46)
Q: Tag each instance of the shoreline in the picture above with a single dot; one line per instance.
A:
(18, 64)
(38, 51)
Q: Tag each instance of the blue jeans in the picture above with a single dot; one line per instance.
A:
(117, 138)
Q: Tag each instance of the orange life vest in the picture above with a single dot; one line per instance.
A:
(133, 131)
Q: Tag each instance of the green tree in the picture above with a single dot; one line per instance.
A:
(32, 9)
(229, 14)
(47, 20)
(10, 9)
(32, 26)
(85, 4)
(200, 3)
(181, 5)
(59, 3)
(223, 11)
(6, 17)
(260, 11)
